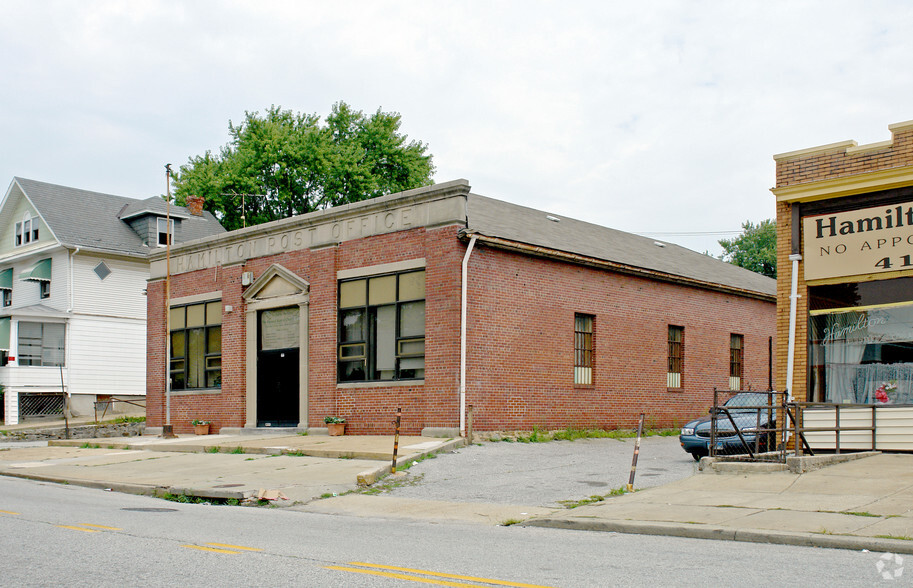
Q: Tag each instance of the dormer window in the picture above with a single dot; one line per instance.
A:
(164, 233)
(26, 230)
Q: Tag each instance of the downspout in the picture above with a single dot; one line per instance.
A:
(791, 346)
(68, 348)
(463, 304)
(793, 303)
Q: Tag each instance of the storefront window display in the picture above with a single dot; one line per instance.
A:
(864, 353)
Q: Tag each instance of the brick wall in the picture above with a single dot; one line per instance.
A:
(809, 166)
(520, 344)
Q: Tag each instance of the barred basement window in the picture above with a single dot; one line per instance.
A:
(736, 352)
(583, 349)
(196, 346)
(382, 328)
(676, 357)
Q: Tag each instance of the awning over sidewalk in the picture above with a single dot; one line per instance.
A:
(6, 279)
(5, 333)
(41, 271)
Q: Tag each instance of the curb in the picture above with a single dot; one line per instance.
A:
(700, 531)
(369, 477)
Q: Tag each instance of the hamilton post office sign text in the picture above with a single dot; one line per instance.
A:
(868, 241)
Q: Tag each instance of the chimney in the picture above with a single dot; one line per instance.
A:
(195, 205)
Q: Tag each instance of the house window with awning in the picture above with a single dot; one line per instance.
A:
(40, 272)
(6, 286)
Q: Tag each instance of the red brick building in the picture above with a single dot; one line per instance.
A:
(357, 310)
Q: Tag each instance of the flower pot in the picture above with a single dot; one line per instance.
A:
(336, 428)
(201, 429)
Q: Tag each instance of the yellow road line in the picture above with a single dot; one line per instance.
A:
(241, 547)
(99, 527)
(202, 548)
(402, 577)
(442, 575)
(8, 512)
(83, 529)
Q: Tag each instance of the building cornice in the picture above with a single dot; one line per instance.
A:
(887, 179)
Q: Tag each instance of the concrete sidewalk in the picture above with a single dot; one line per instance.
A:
(860, 504)
(290, 469)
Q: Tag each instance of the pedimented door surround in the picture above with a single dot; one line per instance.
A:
(277, 287)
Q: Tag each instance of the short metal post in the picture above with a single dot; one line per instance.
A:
(837, 427)
(798, 439)
(469, 426)
(640, 430)
(399, 412)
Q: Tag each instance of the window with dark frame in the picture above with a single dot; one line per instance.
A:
(42, 344)
(7, 296)
(382, 328)
(583, 349)
(26, 231)
(44, 288)
(196, 346)
(164, 234)
(736, 354)
(676, 357)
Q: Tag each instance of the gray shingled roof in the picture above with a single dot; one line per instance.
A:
(496, 218)
(83, 218)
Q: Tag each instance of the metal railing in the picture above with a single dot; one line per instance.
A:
(107, 403)
(746, 425)
(796, 412)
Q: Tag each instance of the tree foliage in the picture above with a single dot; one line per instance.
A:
(755, 249)
(286, 163)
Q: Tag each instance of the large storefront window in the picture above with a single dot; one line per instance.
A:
(382, 328)
(864, 353)
(196, 346)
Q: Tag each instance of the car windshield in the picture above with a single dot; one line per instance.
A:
(753, 401)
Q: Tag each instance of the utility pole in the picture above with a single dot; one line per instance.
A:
(168, 428)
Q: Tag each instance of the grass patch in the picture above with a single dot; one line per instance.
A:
(213, 449)
(186, 499)
(509, 522)
(237, 450)
(860, 514)
(390, 483)
(129, 419)
(296, 453)
(540, 435)
(901, 537)
(88, 445)
(592, 499)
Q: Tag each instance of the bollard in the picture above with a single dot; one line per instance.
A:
(399, 412)
(640, 430)
(469, 427)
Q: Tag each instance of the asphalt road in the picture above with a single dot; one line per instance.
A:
(542, 474)
(54, 535)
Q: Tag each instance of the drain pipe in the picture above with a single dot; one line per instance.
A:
(791, 347)
(463, 303)
(793, 302)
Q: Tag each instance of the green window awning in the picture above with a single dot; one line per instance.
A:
(6, 279)
(5, 333)
(41, 271)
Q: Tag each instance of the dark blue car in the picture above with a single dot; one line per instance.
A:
(755, 424)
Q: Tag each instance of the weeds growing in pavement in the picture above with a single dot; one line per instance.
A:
(592, 499)
(213, 449)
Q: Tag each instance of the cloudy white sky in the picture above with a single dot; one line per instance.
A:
(652, 116)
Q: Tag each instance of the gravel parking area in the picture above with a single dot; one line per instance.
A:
(541, 474)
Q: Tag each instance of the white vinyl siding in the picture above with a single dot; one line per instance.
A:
(107, 356)
(120, 294)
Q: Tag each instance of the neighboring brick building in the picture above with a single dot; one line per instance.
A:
(845, 237)
(357, 310)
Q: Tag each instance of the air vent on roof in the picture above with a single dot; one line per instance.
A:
(554, 219)
(658, 244)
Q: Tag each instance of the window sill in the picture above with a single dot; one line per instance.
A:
(380, 384)
(679, 389)
(585, 386)
(196, 391)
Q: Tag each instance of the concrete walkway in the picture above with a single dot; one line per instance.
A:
(861, 504)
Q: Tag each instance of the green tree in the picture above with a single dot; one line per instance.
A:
(282, 164)
(755, 249)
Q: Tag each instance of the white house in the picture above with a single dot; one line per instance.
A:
(73, 273)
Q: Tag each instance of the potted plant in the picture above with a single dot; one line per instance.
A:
(200, 426)
(335, 425)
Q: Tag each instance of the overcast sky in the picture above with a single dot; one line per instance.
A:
(652, 116)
